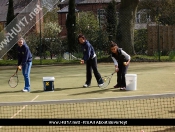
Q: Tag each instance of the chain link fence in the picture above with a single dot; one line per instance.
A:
(152, 37)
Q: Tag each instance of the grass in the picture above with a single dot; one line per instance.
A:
(136, 58)
(38, 62)
(145, 58)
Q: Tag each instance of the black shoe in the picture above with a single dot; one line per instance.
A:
(116, 86)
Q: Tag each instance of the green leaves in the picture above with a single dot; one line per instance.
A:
(87, 24)
(51, 30)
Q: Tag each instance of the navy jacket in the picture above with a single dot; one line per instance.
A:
(88, 51)
(24, 54)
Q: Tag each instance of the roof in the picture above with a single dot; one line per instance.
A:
(88, 1)
(3, 10)
(18, 7)
(65, 10)
(96, 1)
(66, 2)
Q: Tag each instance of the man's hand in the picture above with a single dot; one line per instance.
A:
(116, 69)
(19, 67)
(81, 61)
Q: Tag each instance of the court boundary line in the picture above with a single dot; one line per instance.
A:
(90, 99)
(28, 95)
(23, 108)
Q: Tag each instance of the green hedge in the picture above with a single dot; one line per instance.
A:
(107, 59)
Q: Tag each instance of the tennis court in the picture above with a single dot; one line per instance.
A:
(153, 78)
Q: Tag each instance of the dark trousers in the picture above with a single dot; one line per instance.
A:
(121, 81)
(92, 64)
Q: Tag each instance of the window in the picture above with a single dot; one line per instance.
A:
(138, 18)
(66, 15)
(143, 16)
(101, 15)
(117, 13)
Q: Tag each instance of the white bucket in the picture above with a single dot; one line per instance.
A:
(131, 82)
(48, 79)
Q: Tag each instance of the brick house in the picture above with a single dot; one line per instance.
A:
(97, 6)
(142, 18)
(19, 5)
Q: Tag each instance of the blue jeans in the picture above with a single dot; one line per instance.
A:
(26, 73)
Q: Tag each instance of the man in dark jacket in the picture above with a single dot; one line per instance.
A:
(90, 58)
(24, 62)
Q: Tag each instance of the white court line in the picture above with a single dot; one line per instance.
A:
(27, 95)
(55, 94)
(22, 109)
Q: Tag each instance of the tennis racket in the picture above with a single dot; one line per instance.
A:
(106, 80)
(13, 81)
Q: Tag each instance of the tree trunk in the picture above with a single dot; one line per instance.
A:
(127, 24)
(51, 54)
(71, 25)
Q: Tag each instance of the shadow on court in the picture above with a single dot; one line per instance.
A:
(100, 91)
(37, 91)
(118, 90)
(56, 89)
(19, 91)
(61, 89)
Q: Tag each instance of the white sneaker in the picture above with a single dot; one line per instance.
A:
(25, 90)
(85, 86)
(100, 85)
(123, 88)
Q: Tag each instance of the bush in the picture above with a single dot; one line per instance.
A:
(171, 55)
(156, 54)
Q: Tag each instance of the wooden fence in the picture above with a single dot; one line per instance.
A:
(166, 39)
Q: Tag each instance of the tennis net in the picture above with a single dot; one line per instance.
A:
(85, 111)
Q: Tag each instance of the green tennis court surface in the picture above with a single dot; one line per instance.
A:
(152, 78)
